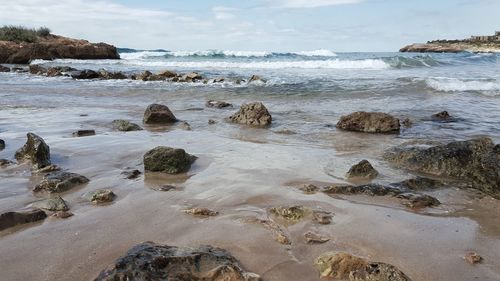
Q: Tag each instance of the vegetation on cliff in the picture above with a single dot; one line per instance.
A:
(22, 34)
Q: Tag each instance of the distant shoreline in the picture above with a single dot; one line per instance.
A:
(475, 44)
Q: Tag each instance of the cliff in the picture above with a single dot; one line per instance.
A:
(455, 46)
(54, 47)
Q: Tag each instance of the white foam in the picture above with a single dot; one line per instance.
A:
(209, 53)
(455, 85)
(141, 55)
(227, 53)
(317, 53)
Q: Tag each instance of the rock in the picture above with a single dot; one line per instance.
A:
(470, 257)
(104, 74)
(419, 183)
(84, 133)
(35, 150)
(125, 126)
(131, 174)
(168, 160)
(37, 69)
(5, 162)
(256, 78)
(369, 122)
(2, 144)
(144, 76)
(201, 212)
(253, 114)
(100, 196)
(368, 189)
(155, 262)
(166, 187)
(418, 200)
(279, 234)
(476, 161)
(4, 69)
(362, 170)
(338, 265)
(54, 47)
(85, 74)
(184, 125)
(378, 271)
(437, 48)
(11, 219)
(62, 214)
(407, 123)
(441, 116)
(309, 188)
(191, 77)
(52, 204)
(60, 71)
(59, 182)
(48, 169)
(158, 114)
(293, 213)
(211, 122)
(314, 238)
(217, 104)
(322, 217)
(167, 74)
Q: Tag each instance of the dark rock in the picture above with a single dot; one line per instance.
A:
(474, 161)
(378, 271)
(211, 122)
(84, 133)
(84, 74)
(5, 162)
(191, 77)
(314, 238)
(418, 200)
(35, 150)
(62, 214)
(419, 183)
(217, 104)
(441, 116)
(154, 262)
(59, 182)
(407, 123)
(52, 204)
(37, 69)
(167, 74)
(158, 114)
(4, 69)
(368, 189)
(131, 174)
(168, 160)
(201, 212)
(253, 114)
(100, 196)
(369, 122)
(11, 219)
(2, 144)
(166, 187)
(473, 258)
(362, 170)
(256, 78)
(144, 76)
(60, 71)
(125, 126)
(104, 74)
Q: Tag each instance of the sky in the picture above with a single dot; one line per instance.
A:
(258, 25)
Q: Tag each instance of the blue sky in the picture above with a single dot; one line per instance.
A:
(259, 25)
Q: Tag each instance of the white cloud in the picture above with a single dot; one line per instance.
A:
(224, 13)
(315, 3)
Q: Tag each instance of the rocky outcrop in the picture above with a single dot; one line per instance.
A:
(476, 161)
(35, 150)
(59, 182)
(342, 266)
(369, 122)
(452, 47)
(54, 47)
(100, 196)
(168, 160)
(125, 126)
(155, 262)
(252, 114)
(11, 219)
(158, 114)
(362, 170)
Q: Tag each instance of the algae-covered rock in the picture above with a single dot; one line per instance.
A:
(168, 160)
(369, 122)
(125, 126)
(35, 150)
(362, 170)
(252, 114)
(60, 181)
(100, 196)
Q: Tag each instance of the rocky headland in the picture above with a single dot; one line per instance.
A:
(475, 44)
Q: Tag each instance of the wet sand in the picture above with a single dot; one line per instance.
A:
(241, 173)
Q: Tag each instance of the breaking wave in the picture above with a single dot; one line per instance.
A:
(457, 85)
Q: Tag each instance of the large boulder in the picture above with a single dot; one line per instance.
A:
(369, 122)
(476, 162)
(11, 219)
(158, 114)
(253, 114)
(155, 262)
(35, 150)
(168, 160)
(59, 182)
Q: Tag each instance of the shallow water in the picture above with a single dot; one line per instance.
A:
(241, 172)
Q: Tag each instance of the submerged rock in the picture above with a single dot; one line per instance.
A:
(35, 150)
(441, 116)
(201, 212)
(4, 69)
(418, 200)
(378, 271)
(52, 204)
(60, 181)
(131, 174)
(104, 74)
(256, 78)
(84, 74)
(322, 217)
(293, 213)
(368, 189)
(100, 196)
(11, 219)
(253, 114)
(279, 234)
(84, 133)
(362, 170)
(155, 262)
(473, 258)
(5, 162)
(168, 160)
(2, 144)
(476, 161)
(158, 114)
(419, 183)
(125, 126)
(217, 104)
(369, 122)
(309, 188)
(314, 238)
(62, 214)
(37, 69)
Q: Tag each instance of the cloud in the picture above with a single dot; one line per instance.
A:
(224, 13)
(315, 3)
